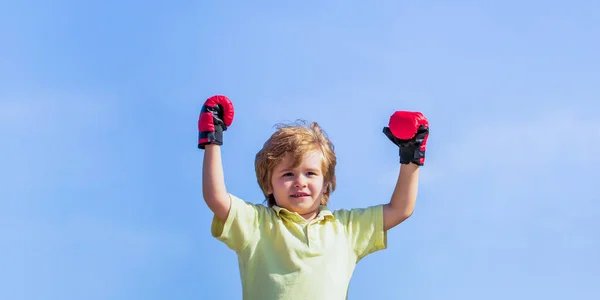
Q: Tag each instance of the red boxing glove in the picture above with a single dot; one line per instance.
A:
(215, 117)
(409, 130)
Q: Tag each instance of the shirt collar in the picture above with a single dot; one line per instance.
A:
(324, 213)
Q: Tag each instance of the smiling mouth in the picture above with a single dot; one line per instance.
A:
(299, 195)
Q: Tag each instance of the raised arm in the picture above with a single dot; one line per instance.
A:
(403, 200)
(213, 182)
(216, 115)
(409, 131)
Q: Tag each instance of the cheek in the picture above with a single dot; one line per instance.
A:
(318, 185)
(273, 186)
(278, 185)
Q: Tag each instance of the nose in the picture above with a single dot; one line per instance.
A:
(300, 181)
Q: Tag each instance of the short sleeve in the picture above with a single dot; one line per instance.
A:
(241, 225)
(364, 228)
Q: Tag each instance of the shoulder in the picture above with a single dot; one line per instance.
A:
(349, 214)
(241, 202)
(241, 207)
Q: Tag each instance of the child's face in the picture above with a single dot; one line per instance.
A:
(299, 189)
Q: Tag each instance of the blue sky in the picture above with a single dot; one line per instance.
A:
(100, 178)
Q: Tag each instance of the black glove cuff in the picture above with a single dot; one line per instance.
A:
(212, 137)
(411, 154)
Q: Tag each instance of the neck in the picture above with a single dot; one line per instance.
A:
(310, 216)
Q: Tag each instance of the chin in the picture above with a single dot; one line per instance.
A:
(306, 207)
(301, 205)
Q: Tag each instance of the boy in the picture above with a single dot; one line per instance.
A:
(295, 247)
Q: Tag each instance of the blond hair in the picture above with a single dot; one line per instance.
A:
(296, 139)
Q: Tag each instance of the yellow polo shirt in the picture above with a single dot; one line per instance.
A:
(281, 256)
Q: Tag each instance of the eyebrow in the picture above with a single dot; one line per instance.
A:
(291, 169)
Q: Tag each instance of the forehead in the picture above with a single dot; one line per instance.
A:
(312, 159)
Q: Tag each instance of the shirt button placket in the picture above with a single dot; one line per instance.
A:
(308, 236)
(311, 236)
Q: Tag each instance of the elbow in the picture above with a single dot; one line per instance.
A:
(403, 212)
(218, 204)
(207, 195)
(212, 194)
(402, 215)
(407, 214)
(215, 199)
(403, 209)
(393, 216)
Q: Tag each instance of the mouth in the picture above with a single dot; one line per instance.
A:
(300, 195)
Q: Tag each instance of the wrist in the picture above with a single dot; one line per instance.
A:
(409, 166)
(212, 147)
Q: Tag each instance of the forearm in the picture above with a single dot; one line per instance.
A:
(404, 197)
(213, 182)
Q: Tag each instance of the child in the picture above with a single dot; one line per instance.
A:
(295, 247)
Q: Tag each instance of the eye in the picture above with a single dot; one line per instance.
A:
(312, 173)
(288, 174)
